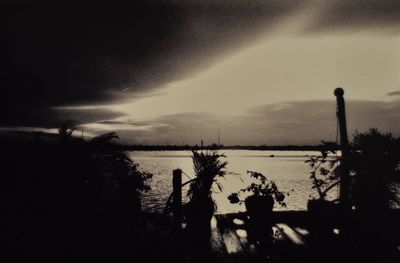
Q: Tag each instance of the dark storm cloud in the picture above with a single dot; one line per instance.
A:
(54, 55)
(94, 53)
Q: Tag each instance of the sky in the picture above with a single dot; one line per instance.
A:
(176, 72)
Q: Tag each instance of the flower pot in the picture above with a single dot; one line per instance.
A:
(198, 217)
(259, 210)
(259, 207)
(323, 216)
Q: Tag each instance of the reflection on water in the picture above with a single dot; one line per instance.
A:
(286, 168)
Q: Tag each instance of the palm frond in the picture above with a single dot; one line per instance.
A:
(67, 128)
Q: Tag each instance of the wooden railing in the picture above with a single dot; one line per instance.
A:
(177, 199)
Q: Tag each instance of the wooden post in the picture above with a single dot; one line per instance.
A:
(177, 200)
(344, 142)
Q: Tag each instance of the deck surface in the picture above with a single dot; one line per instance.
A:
(234, 240)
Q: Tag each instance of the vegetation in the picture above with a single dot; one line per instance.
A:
(208, 167)
(72, 196)
(264, 188)
(325, 169)
(111, 178)
(374, 163)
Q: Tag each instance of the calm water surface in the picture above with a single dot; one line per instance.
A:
(286, 168)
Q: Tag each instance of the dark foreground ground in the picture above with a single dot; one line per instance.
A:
(292, 239)
(232, 239)
(62, 203)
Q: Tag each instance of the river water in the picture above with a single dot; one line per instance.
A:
(287, 168)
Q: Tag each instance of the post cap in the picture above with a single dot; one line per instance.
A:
(339, 92)
(177, 171)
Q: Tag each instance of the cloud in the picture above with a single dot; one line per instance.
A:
(52, 118)
(292, 122)
(299, 122)
(77, 54)
(379, 15)
(94, 54)
(106, 126)
(68, 55)
(393, 93)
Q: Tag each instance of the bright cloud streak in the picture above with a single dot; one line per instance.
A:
(283, 69)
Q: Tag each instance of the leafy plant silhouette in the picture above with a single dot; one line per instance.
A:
(207, 168)
(265, 187)
(376, 161)
(325, 170)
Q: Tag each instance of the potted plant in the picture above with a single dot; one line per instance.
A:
(322, 208)
(375, 163)
(200, 209)
(259, 204)
(376, 193)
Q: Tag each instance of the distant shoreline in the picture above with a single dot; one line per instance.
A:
(236, 147)
(34, 139)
